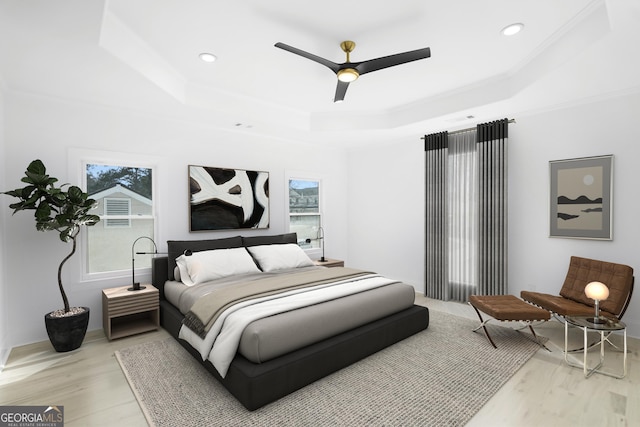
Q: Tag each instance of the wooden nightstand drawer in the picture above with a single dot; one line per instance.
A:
(127, 312)
(130, 305)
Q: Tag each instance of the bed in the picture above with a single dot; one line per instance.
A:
(314, 321)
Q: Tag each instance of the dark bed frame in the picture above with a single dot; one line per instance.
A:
(256, 385)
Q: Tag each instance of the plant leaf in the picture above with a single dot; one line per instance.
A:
(37, 167)
(43, 212)
(75, 195)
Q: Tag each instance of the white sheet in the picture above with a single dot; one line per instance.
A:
(221, 342)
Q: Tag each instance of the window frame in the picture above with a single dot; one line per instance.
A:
(303, 176)
(82, 159)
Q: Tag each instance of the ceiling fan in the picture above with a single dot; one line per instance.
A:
(349, 71)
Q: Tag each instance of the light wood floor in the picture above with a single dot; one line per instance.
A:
(545, 392)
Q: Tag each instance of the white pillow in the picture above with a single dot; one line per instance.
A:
(204, 266)
(183, 276)
(278, 257)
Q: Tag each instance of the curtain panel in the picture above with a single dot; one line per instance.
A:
(462, 215)
(436, 148)
(492, 209)
(466, 212)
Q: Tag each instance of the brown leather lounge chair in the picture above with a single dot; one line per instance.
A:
(573, 302)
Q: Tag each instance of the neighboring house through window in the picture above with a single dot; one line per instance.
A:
(305, 213)
(116, 212)
(124, 197)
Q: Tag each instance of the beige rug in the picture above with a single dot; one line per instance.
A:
(439, 377)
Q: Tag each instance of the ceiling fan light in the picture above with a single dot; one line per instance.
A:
(348, 75)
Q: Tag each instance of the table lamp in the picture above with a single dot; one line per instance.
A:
(597, 291)
(136, 285)
(320, 236)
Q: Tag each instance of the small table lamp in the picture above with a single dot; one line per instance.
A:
(597, 291)
(136, 285)
(320, 236)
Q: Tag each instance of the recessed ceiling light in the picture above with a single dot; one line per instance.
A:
(512, 29)
(207, 57)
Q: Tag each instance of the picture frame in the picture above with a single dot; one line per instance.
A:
(581, 198)
(226, 199)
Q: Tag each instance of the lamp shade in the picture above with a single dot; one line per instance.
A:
(597, 291)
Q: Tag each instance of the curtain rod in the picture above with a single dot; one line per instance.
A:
(468, 129)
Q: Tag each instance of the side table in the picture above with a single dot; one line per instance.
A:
(328, 262)
(586, 324)
(127, 313)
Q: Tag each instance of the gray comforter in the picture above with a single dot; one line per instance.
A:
(277, 334)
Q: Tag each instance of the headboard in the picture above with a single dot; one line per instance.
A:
(162, 267)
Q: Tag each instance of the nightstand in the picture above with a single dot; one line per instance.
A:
(127, 313)
(329, 262)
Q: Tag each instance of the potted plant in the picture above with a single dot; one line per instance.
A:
(65, 212)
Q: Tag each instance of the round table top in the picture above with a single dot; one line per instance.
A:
(589, 323)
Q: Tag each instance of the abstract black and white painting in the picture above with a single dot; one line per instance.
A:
(581, 198)
(223, 199)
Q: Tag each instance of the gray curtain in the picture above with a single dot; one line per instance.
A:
(492, 251)
(436, 277)
(466, 212)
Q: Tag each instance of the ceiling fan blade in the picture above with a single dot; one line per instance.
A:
(330, 64)
(341, 90)
(392, 60)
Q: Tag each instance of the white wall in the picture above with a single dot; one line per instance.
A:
(4, 305)
(386, 227)
(374, 196)
(609, 126)
(56, 131)
(386, 210)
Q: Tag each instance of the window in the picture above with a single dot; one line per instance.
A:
(305, 216)
(124, 196)
(462, 191)
(466, 212)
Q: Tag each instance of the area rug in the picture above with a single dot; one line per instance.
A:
(439, 377)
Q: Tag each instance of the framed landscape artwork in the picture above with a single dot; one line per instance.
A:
(581, 198)
(223, 199)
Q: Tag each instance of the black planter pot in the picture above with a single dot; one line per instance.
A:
(67, 333)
